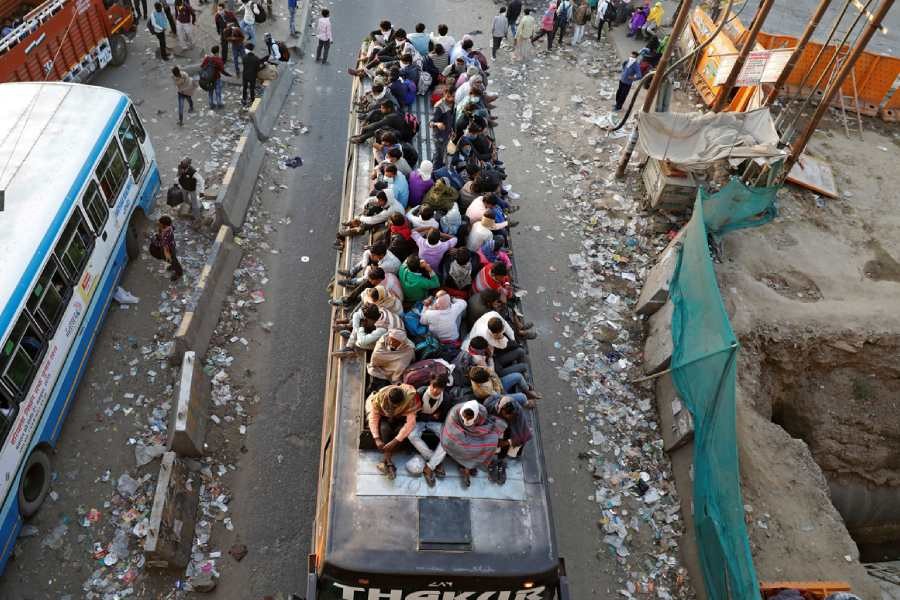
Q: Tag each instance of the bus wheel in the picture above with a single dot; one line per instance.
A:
(132, 242)
(35, 483)
(119, 50)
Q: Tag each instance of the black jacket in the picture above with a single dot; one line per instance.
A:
(396, 122)
(252, 65)
(513, 10)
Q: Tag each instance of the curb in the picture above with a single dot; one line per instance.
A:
(236, 190)
(267, 108)
(205, 304)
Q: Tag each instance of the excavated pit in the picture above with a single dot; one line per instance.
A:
(840, 394)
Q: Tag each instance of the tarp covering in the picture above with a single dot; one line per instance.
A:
(704, 360)
(736, 206)
(697, 139)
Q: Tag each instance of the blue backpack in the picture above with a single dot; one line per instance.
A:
(409, 92)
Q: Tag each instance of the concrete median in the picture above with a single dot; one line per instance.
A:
(236, 191)
(265, 110)
(209, 292)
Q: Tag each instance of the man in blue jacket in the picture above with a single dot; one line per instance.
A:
(631, 72)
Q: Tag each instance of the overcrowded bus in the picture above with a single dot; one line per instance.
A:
(77, 174)
(401, 537)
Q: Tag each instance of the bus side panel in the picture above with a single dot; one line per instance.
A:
(69, 377)
(147, 199)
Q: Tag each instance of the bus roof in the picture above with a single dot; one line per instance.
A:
(51, 134)
(403, 527)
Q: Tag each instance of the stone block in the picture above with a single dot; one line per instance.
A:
(187, 424)
(173, 516)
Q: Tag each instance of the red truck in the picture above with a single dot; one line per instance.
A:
(61, 40)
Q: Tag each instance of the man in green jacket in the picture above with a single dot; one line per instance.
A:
(417, 279)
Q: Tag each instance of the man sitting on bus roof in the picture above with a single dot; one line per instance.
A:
(511, 409)
(431, 418)
(391, 355)
(471, 437)
(366, 327)
(375, 213)
(390, 119)
(391, 414)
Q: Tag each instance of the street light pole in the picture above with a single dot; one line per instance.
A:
(725, 89)
(874, 23)
(798, 51)
(681, 19)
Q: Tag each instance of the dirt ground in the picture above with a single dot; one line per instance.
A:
(812, 298)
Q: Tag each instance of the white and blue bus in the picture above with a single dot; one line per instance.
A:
(77, 175)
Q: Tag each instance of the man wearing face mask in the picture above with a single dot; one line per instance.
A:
(391, 415)
(431, 418)
(391, 355)
(471, 437)
(397, 184)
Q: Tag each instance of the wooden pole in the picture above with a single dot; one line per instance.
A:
(681, 19)
(870, 28)
(725, 89)
(798, 51)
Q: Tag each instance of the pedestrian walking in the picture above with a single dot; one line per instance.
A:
(192, 185)
(140, 9)
(563, 16)
(548, 24)
(235, 37)
(169, 7)
(211, 70)
(323, 32)
(156, 24)
(605, 12)
(513, 10)
(292, 11)
(525, 31)
(186, 88)
(499, 26)
(580, 18)
(162, 246)
(631, 72)
(248, 22)
(185, 17)
(252, 65)
(223, 18)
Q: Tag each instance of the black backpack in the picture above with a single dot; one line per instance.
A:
(261, 16)
(175, 195)
(410, 154)
(207, 77)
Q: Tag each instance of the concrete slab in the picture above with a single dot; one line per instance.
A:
(187, 424)
(173, 516)
(658, 343)
(655, 292)
(239, 182)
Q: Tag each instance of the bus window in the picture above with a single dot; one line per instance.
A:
(95, 207)
(20, 356)
(111, 173)
(128, 135)
(49, 298)
(74, 247)
(138, 126)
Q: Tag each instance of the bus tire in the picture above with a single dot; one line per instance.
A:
(35, 483)
(132, 242)
(119, 50)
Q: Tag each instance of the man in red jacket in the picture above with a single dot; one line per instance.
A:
(215, 67)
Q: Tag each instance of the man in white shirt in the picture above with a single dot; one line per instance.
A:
(442, 315)
(443, 39)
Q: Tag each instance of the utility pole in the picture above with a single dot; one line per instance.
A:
(725, 89)
(874, 23)
(798, 51)
(681, 19)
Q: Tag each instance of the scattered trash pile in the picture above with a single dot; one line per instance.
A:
(638, 511)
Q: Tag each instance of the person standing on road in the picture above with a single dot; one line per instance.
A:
(169, 7)
(498, 30)
(235, 37)
(563, 16)
(252, 65)
(192, 184)
(140, 9)
(548, 21)
(525, 31)
(323, 32)
(248, 22)
(162, 246)
(513, 10)
(157, 26)
(223, 18)
(292, 12)
(218, 69)
(185, 17)
(186, 87)
(605, 12)
(581, 17)
(631, 72)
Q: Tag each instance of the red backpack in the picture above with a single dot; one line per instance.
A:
(420, 373)
(413, 122)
